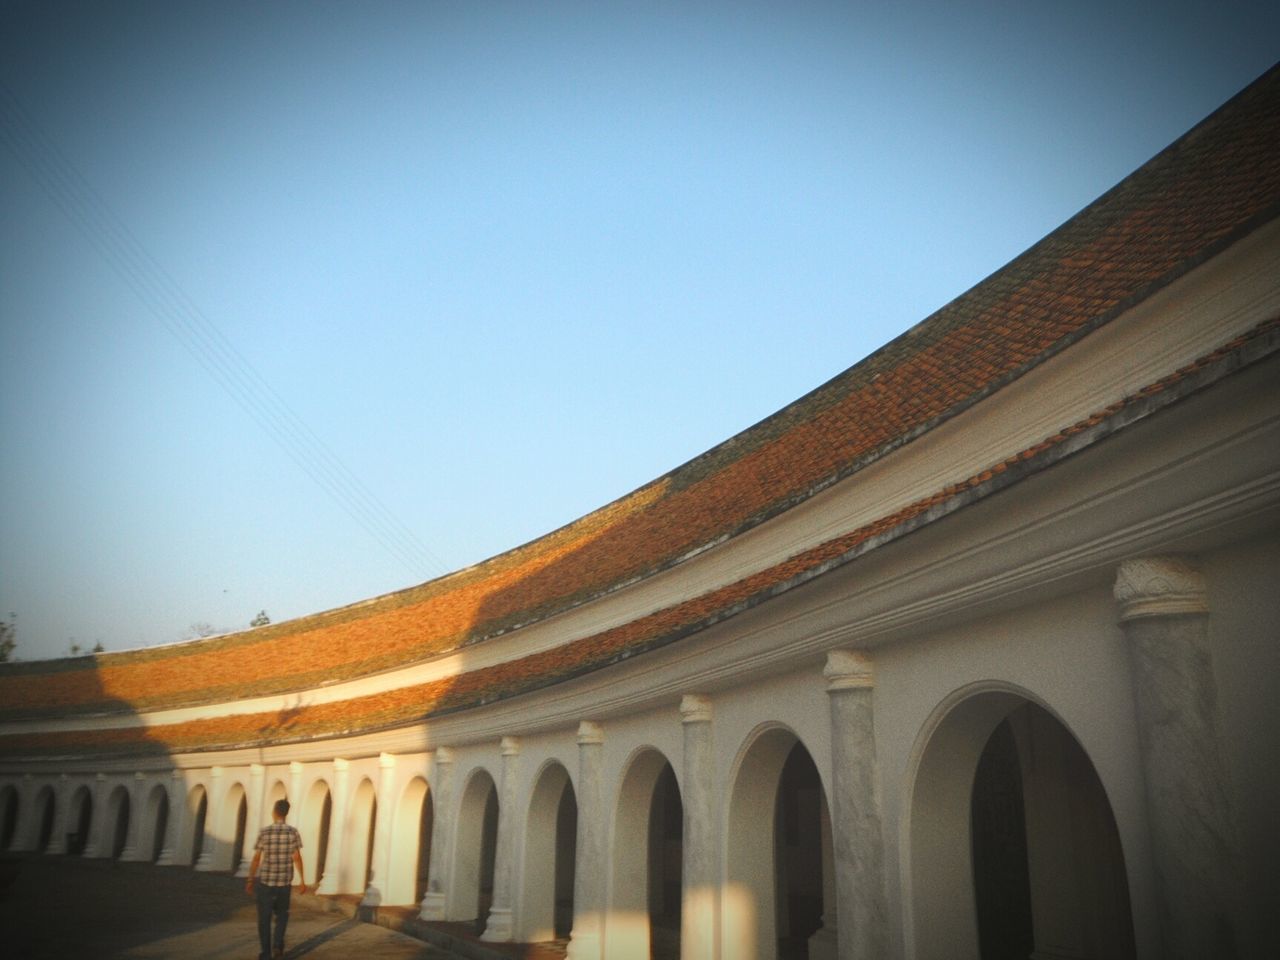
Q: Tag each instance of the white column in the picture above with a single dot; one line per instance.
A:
(1164, 613)
(499, 925)
(169, 853)
(337, 827)
(590, 863)
(61, 815)
(443, 830)
(253, 820)
(212, 809)
(700, 879)
(295, 788)
(137, 793)
(97, 825)
(858, 846)
(381, 869)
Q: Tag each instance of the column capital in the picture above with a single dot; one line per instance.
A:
(176, 773)
(340, 765)
(296, 766)
(510, 746)
(848, 670)
(215, 773)
(257, 770)
(138, 775)
(387, 761)
(444, 755)
(695, 708)
(100, 777)
(1159, 587)
(590, 732)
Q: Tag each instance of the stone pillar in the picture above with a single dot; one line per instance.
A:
(295, 789)
(858, 847)
(132, 842)
(254, 816)
(1164, 614)
(443, 829)
(381, 868)
(499, 927)
(590, 876)
(169, 853)
(337, 827)
(98, 824)
(700, 877)
(61, 815)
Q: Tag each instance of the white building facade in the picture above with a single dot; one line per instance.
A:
(1001, 683)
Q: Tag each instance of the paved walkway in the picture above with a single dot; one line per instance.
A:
(57, 908)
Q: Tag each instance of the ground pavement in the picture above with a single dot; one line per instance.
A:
(58, 908)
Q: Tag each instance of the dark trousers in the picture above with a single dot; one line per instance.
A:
(272, 900)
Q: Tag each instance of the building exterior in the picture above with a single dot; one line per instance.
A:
(971, 652)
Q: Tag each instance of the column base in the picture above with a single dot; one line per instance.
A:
(204, 863)
(584, 946)
(432, 907)
(824, 945)
(498, 927)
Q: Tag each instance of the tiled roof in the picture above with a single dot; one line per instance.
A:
(1213, 186)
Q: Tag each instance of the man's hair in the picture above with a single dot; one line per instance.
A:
(281, 809)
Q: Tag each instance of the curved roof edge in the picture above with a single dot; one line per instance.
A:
(1214, 185)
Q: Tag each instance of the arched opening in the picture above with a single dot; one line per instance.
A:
(198, 812)
(358, 858)
(277, 792)
(8, 817)
(157, 814)
(774, 897)
(475, 852)
(1014, 849)
(648, 860)
(47, 805)
(80, 819)
(314, 820)
(231, 827)
(118, 821)
(411, 829)
(551, 841)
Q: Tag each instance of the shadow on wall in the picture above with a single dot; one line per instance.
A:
(80, 845)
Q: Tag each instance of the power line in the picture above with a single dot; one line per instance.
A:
(171, 306)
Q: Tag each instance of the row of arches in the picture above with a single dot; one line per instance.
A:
(1011, 837)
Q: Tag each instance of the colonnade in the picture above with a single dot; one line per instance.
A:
(794, 837)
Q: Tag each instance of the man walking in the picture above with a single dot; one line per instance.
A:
(277, 852)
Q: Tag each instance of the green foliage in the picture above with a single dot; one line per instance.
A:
(261, 620)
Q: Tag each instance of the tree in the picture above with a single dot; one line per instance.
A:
(8, 637)
(261, 620)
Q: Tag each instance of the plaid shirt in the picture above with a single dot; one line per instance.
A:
(276, 843)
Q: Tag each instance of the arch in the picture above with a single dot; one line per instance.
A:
(773, 889)
(8, 816)
(645, 887)
(357, 856)
(1003, 852)
(117, 822)
(550, 849)
(411, 826)
(229, 834)
(47, 804)
(317, 809)
(156, 814)
(475, 849)
(80, 820)
(278, 791)
(194, 838)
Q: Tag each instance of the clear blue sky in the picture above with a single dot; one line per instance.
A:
(505, 261)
